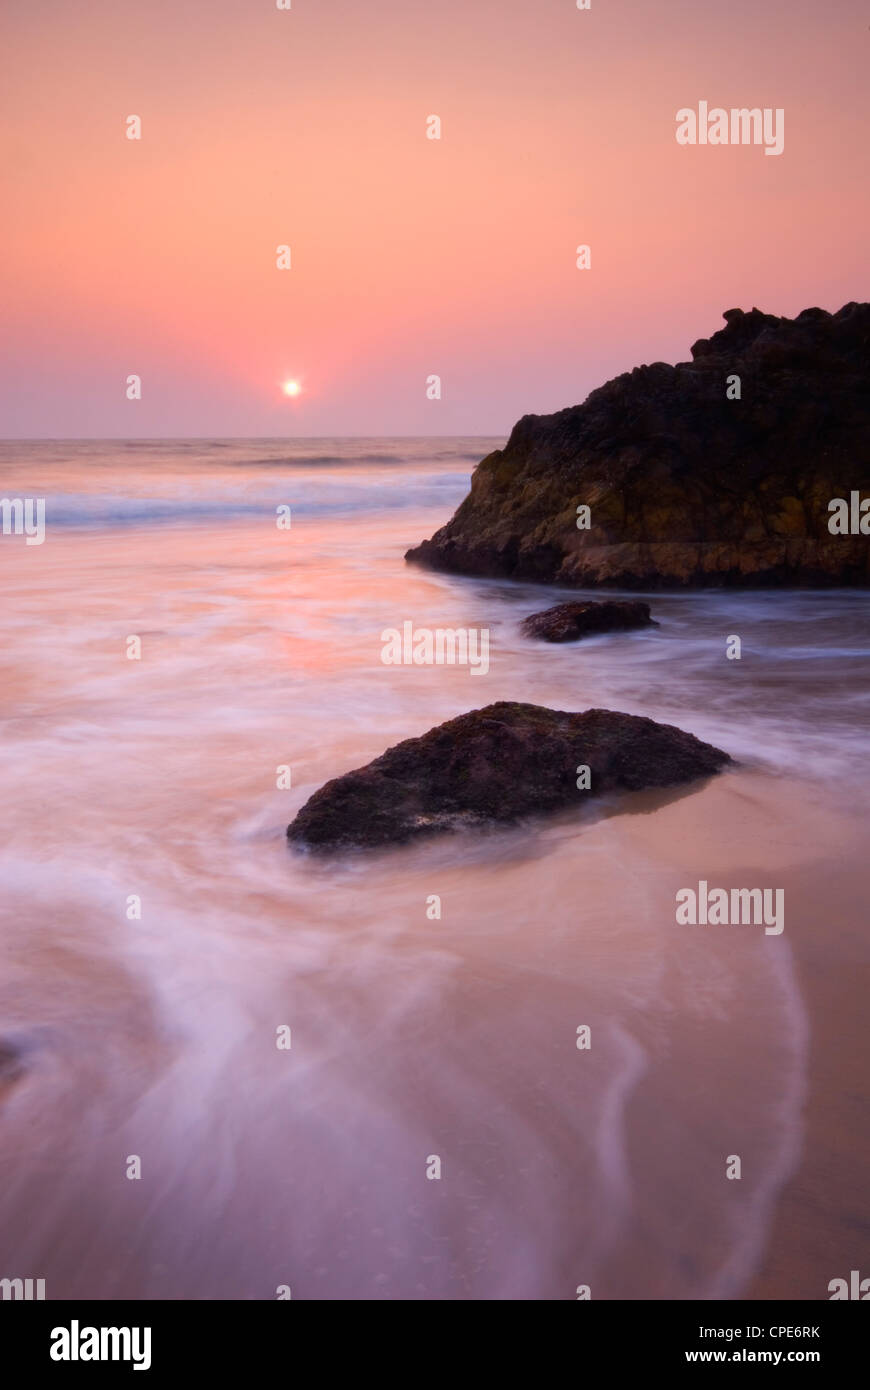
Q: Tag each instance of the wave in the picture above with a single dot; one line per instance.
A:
(91, 510)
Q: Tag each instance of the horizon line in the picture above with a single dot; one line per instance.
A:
(175, 438)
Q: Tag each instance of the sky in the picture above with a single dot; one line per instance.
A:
(410, 257)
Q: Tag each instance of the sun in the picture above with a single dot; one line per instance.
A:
(291, 388)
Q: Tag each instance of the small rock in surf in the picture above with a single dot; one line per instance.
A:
(568, 622)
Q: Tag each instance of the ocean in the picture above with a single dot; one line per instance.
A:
(150, 786)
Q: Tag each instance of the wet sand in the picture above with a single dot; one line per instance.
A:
(457, 1038)
(751, 829)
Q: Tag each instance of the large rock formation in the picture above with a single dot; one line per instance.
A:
(495, 765)
(686, 486)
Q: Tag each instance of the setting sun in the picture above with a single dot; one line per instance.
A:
(291, 388)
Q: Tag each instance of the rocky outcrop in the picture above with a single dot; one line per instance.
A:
(568, 622)
(495, 765)
(685, 486)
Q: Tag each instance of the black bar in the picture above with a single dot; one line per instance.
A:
(282, 1338)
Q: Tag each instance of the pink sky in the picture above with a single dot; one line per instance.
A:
(410, 256)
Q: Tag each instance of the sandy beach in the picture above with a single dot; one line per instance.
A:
(412, 1037)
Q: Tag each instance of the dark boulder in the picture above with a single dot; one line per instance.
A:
(568, 622)
(495, 765)
(686, 487)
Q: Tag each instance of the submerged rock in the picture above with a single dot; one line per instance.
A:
(495, 765)
(568, 622)
(11, 1062)
(684, 485)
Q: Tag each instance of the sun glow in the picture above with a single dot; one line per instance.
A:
(291, 388)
